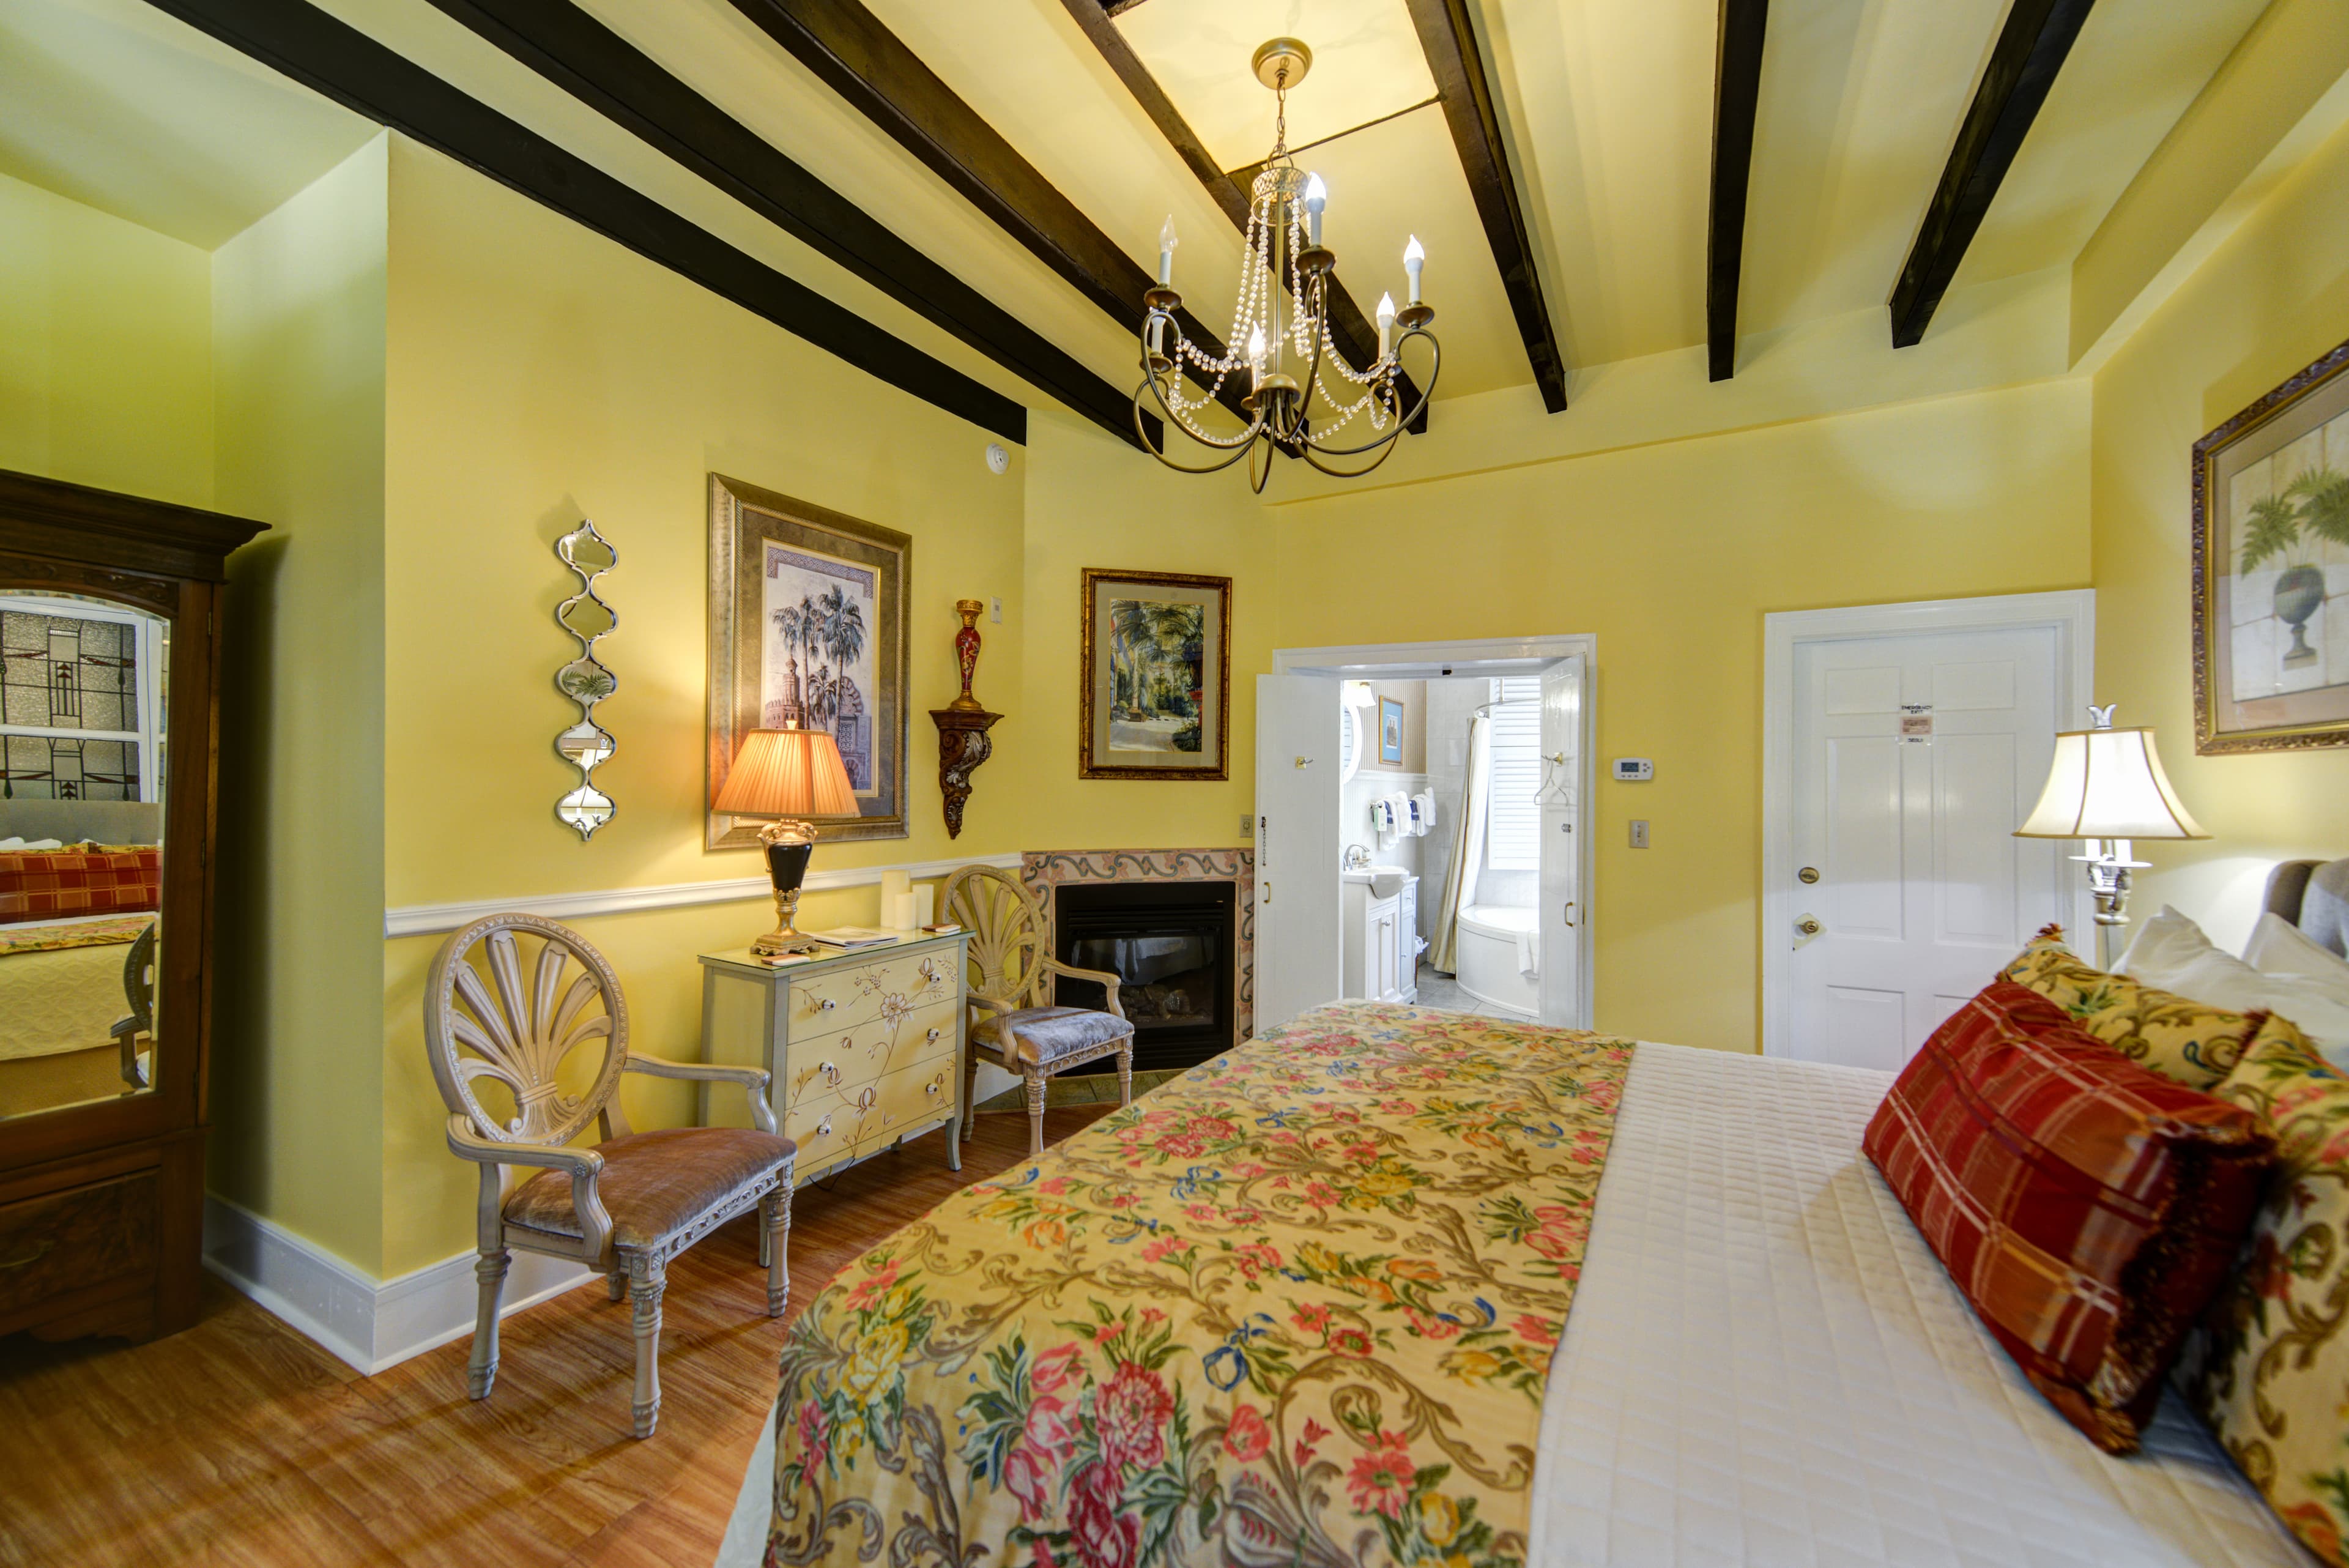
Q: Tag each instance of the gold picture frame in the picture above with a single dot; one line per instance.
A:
(2271, 569)
(768, 556)
(1155, 677)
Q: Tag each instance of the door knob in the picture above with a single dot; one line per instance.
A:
(1807, 875)
(1305, 762)
(1808, 926)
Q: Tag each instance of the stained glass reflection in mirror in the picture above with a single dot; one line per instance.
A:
(81, 701)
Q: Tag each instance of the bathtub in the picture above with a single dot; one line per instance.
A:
(1487, 955)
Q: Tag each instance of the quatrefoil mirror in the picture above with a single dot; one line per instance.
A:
(585, 679)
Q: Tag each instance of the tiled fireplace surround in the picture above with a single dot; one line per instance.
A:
(1044, 872)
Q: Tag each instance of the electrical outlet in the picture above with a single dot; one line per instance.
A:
(1639, 832)
(996, 613)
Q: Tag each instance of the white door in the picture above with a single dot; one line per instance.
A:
(1914, 759)
(1562, 912)
(1298, 951)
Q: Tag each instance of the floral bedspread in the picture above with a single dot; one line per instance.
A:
(1296, 1307)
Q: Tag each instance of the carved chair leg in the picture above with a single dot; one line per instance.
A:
(646, 1281)
(1039, 1085)
(1125, 1071)
(775, 1235)
(616, 1283)
(489, 1271)
(969, 1096)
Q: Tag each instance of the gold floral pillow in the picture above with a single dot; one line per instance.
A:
(2268, 1364)
(2187, 1042)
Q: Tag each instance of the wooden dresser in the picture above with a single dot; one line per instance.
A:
(865, 1048)
(106, 1035)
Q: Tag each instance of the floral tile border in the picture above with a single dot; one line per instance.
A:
(1040, 871)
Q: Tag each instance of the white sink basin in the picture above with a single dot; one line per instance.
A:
(1384, 881)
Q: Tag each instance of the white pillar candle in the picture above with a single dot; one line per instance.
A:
(1413, 258)
(925, 904)
(1167, 244)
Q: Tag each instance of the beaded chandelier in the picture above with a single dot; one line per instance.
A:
(1283, 332)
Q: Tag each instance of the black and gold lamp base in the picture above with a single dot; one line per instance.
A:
(788, 846)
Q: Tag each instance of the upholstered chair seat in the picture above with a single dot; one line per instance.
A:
(1043, 1036)
(1013, 1021)
(516, 1007)
(655, 1185)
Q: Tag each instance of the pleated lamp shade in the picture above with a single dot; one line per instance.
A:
(2108, 783)
(787, 772)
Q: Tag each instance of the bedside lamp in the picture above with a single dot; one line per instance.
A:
(2106, 787)
(790, 774)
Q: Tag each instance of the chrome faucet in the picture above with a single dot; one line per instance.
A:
(1358, 856)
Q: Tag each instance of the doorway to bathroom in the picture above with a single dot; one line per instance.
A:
(1419, 832)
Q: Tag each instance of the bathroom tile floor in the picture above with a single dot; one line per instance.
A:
(1437, 989)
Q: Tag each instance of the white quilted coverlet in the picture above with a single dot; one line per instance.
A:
(1766, 1365)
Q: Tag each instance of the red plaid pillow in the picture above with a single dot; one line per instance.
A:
(2088, 1207)
(52, 883)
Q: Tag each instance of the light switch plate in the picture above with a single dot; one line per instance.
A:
(1639, 832)
(995, 612)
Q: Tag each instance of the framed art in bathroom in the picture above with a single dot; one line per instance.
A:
(1156, 676)
(2271, 569)
(1391, 730)
(807, 630)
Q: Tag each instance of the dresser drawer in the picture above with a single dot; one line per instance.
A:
(71, 1241)
(902, 1099)
(861, 1052)
(824, 1126)
(869, 993)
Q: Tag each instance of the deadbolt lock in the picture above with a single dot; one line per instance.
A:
(1808, 874)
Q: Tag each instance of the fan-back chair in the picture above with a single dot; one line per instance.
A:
(1012, 1021)
(505, 1026)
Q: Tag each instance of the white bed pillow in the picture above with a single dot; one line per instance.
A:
(2170, 952)
(2279, 947)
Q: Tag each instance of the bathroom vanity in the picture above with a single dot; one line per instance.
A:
(1379, 925)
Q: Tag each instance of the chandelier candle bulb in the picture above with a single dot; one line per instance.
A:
(1386, 325)
(1167, 244)
(1256, 357)
(1317, 197)
(1413, 259)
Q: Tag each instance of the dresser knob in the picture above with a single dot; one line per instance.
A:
(823, 1128)
(933, 1036)
(831, 1070)
(929, 1088)
(825, 1005)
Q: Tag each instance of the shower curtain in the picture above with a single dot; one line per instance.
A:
(1468, 847)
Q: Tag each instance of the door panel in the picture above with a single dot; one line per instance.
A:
(1914, 758)
(1298, 951)
(1562, 909)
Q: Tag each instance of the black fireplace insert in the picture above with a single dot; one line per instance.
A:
(1171, 945)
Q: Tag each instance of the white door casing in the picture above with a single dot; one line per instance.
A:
(1298, 847)
(1562, 912)
(1922, 890)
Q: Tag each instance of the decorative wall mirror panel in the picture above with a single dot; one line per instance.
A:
(585, 679)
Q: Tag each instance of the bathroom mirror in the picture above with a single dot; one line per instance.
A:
(83, 683)
(585, 679)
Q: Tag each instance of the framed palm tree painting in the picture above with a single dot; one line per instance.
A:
(2271, 521)
(807, 630)
(1156, 676)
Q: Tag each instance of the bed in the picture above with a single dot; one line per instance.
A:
(76, 952)
(1761, 1360)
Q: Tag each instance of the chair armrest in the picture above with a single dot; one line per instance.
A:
(1099, 977)
(990, 1004)
(584, 1164)
(752, 1079)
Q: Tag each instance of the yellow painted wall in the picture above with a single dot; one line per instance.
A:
(2275, 297)
(105, 349)
(1672, 555)
(297, 1102)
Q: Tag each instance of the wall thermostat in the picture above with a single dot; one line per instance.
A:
(997, 459)
(1634, 770)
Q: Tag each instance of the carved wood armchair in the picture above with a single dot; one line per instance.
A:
(501, 1026)
(138, 991)
(1011, 1021)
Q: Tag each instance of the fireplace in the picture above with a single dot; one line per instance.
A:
(1171, 943)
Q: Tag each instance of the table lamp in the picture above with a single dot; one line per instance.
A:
(2106, 787)
(790, 776)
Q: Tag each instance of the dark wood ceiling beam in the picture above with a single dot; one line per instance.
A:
(2031, 50)
(1449, 41)
(870, 66)
(596, 65)
(1736, 98)
(1350, 330)
(340, 62)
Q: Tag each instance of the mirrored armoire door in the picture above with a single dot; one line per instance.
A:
(109, 619)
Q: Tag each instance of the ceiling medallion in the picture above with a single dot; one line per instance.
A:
(1281, 324)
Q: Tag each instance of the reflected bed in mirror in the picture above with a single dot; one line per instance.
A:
(82, 779)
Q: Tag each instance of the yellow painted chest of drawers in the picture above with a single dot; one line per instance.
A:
(865, 1047)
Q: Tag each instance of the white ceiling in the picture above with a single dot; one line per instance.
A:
(115, 105)
(1606, 107)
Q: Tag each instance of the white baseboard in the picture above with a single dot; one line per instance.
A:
(370, 1323)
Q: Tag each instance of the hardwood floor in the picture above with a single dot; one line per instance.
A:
(242, 1442)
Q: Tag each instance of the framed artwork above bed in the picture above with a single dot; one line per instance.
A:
(2270, 573)
(807, 630)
